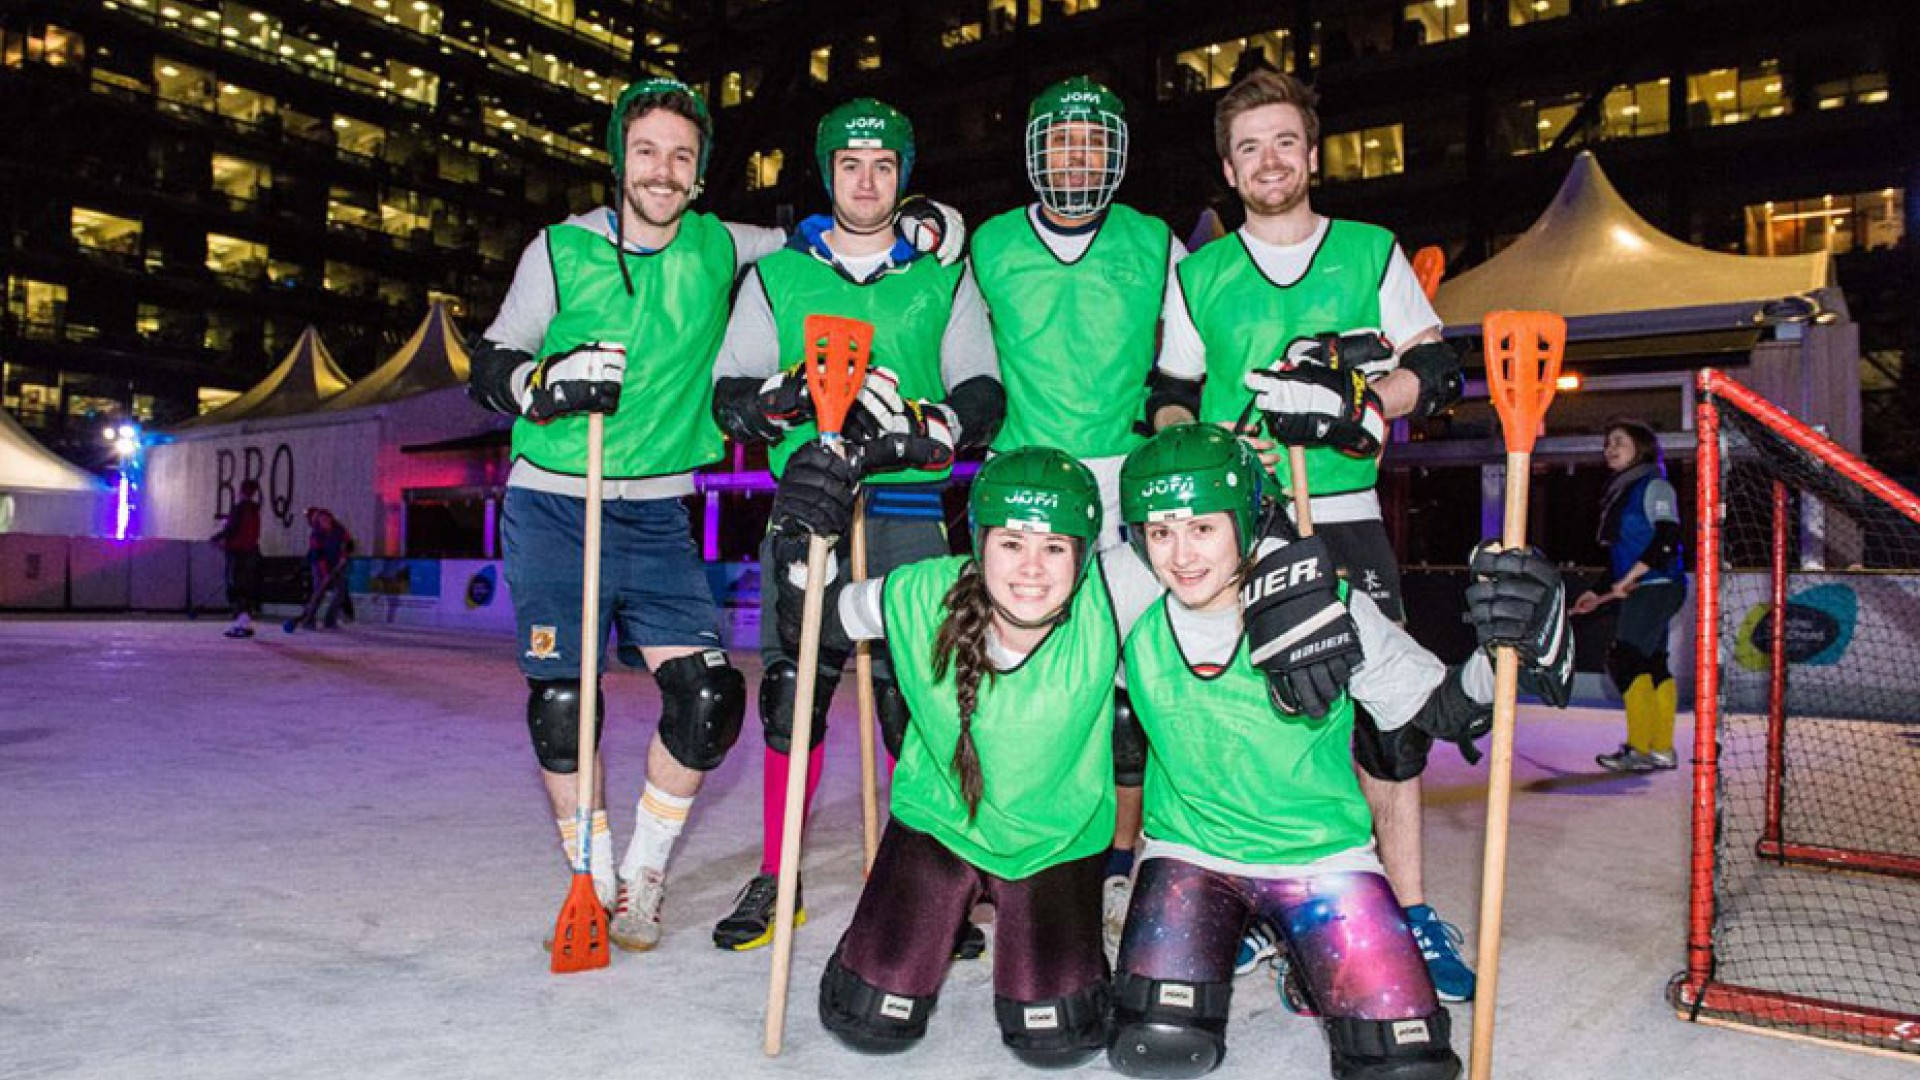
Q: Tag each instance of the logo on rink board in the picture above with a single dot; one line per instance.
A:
(542, 644)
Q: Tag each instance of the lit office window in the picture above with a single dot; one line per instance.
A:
(1363, 155)
(956, 34)
(1736, 95)
(866, 54)
(1003, 16)
(413, 83)
(345, 279)
(249, 26)
(36, 305)
(1869, 88)
(358, 137)
(247, 106)
(1866, 221)
(238, 178)
(221, 331)
(96, 230)
(820, 64)
(352, 207)
(763, 169)
(180, 83)
(1438, 20)
(230, 256)
(1633, 111)
(737, 87)
(1214, 66)
(1522, 12)
(403, 214)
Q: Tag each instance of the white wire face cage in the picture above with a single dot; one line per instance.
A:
(1076, 162)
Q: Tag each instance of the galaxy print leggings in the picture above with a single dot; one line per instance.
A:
(1344, 930)
(1046, 927)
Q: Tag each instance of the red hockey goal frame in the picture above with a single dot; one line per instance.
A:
(1696, 993)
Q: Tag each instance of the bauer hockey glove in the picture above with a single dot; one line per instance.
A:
(1298, 631)
(584, 379)
(1518, 599)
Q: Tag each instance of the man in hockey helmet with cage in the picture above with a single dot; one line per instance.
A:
(1075, 284)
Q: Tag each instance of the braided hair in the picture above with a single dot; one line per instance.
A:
(962, 645)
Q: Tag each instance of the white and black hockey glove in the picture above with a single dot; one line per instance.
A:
(1318, 394)
(784, 401)
(1517, 598)
(932, 227)
(896, 433)
(1299, 632)
(584, 379)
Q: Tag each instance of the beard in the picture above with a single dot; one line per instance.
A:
(1290, 197)
(636, 200)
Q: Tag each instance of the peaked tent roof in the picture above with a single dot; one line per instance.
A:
(431, 359)
(1591, 254)
(25, 464)
(304, 379)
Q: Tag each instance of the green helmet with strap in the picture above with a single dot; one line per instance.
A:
(670, 94)
(1076, 146)
(1037, 489)
(1188, 470)
(863, 124)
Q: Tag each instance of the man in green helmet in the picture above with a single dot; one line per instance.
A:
(934, 390)
(1075, 285)
(620, 311)
(1323, 325)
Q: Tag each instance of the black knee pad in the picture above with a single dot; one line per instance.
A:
(891, 705)
(1416, 1049)
(702, 701)
(1129, 743)
(777, 687)
(1057, 1032)
(1168, 1030)
(867, 1018)
(553, 719)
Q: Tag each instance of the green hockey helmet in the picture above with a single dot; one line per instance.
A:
(1076, 146)
(670, 94)
(1037, 489)
(863, 124)
(1188, 470)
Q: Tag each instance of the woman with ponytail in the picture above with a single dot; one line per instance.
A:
(1004, 787)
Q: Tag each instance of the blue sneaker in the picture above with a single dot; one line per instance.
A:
(1260, 943)
(1440, 943)
(1293, 989)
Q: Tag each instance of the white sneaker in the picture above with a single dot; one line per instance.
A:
(1114, 897)
(636, 914)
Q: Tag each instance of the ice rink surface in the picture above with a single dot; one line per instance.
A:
(327, 855)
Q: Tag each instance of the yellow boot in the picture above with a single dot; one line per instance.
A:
(1659, 730)
(1632, 755)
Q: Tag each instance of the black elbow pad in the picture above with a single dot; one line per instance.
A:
(1164, 390)
(1400, 754)
(1438, 368)
(980, 404)
(490, 375)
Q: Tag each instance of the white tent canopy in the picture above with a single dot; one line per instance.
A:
(1593, 259)
(303, 379)
(41, 492)
(433, 358)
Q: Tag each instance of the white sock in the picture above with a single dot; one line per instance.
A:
(600, 857)
(657, 824)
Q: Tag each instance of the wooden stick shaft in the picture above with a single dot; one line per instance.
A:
(1493, 876)
(863, 682)
(1297, 480)
(589, 632)
(819, 550)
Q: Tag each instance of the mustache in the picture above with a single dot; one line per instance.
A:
(638, 183)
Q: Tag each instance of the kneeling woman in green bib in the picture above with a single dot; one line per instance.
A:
(1244, 676)
(1004, 787)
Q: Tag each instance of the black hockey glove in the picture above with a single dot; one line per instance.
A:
(1518, 599)
(784, 401)
(1317, 395)
(1298, 631)
(816, 493)
(584, 379)
(897, 433)
(932, 227)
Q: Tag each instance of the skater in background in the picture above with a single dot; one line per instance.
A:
(329, 545)
(1646, 573)
(239, 540)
